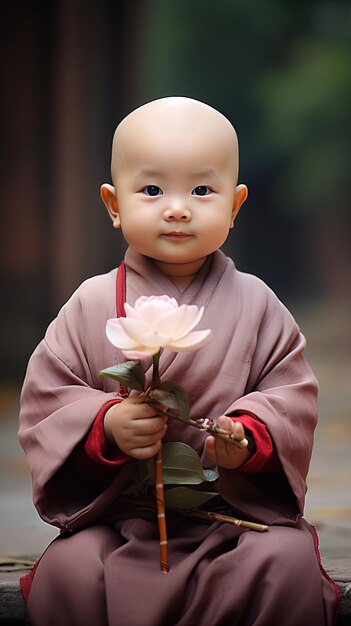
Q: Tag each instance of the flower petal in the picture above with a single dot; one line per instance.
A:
(192, 341)
(172, 302)
(117, 336)
(179, 322)
(130, 311)
(154, 338)
(157, 322)
(134, 328)
(140, 353)
(152, 309)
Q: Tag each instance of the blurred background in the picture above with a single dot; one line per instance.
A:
(280, 70)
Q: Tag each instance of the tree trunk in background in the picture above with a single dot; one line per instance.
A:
(69, 75)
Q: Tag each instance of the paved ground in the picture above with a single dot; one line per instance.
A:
(329, 496)
(21, 530)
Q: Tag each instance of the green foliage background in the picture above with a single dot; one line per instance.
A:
(280, 70)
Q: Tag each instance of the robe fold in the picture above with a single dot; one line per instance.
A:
(220, 574)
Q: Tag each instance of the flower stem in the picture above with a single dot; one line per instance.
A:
(155, 382)
(161, 513)
(160, 497)
(218, 517)
(206, 425)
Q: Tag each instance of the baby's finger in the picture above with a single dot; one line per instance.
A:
(235, 427)
(145, 452)
(210, 449)
(226, 423)
(144, 410)
(145, 440)
(238, 430)
(149, 425)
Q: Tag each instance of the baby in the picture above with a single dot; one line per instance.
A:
(175, 197)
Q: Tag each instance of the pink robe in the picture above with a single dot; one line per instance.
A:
(220, 574)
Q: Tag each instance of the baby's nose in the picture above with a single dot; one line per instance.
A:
(177, 211)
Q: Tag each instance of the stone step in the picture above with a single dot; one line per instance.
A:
(13, 610)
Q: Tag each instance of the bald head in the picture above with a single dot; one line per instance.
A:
(175, 194)
(174, 127)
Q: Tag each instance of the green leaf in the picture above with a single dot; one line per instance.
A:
(187, 499)
(173, 396)
(128, 373)
(181, 465)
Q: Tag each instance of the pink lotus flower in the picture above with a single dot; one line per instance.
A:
(157, 322)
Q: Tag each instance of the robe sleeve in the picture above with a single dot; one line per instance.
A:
(61, 397)
(282, 391)
(264, 457)
(96, 446)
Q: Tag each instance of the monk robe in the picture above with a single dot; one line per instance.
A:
(100, 571)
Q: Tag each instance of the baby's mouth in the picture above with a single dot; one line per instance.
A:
(175, 234)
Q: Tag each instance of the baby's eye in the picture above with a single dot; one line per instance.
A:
(152, 190)
(201, 191)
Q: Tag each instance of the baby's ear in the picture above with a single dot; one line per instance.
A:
(108, 195)
(241, 193)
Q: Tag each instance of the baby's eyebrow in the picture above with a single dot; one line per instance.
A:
(148, 173)
(206, 174)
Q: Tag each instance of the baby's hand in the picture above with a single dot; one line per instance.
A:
(223, 453)
(135, 427)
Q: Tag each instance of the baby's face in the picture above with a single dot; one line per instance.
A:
(175, 186)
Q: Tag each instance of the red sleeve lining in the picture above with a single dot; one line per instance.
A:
(265, 458)
(96, 446)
